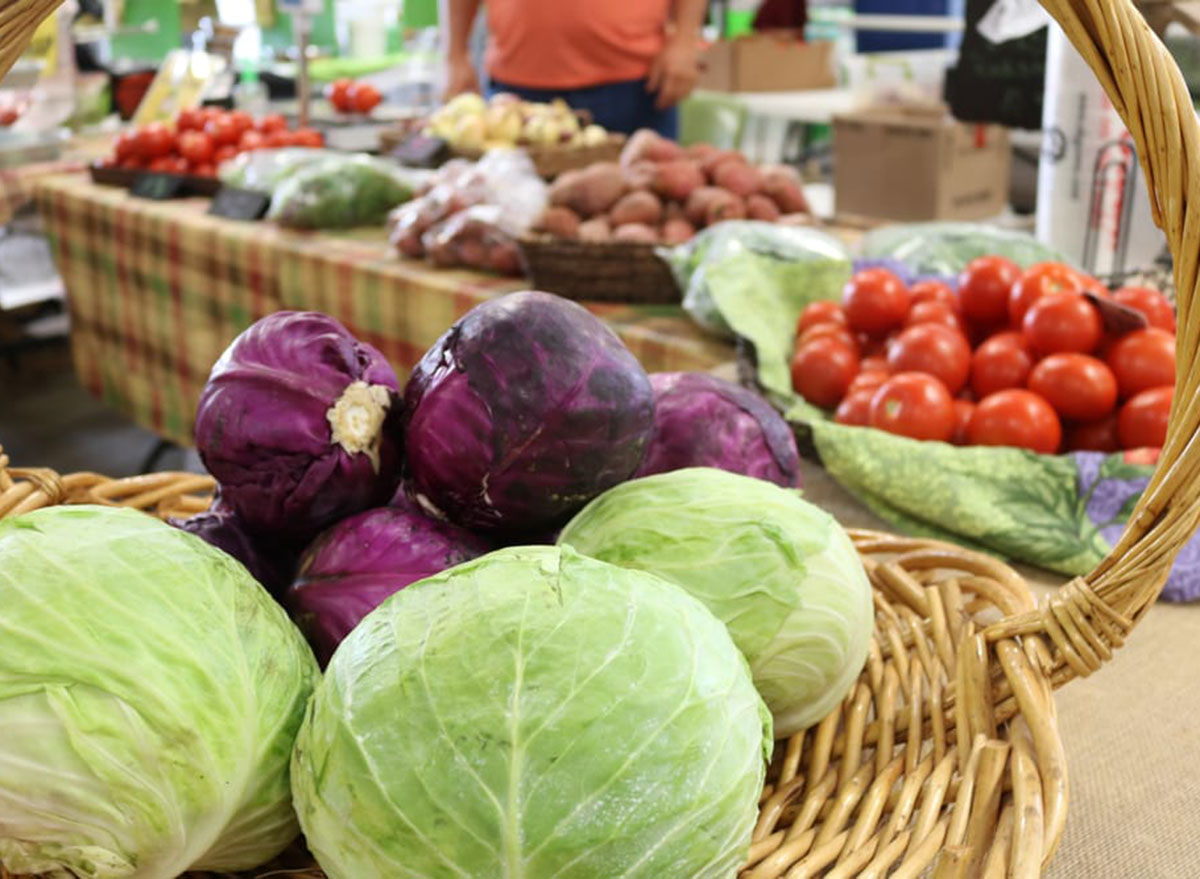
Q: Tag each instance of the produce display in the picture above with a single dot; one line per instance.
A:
(660, 192)
(150, 695)
(350, 97)
(341, 191)
(471, 124)
(534, 713)
(779, 572)
(202, 138)
(601, 705)
(1044, 358)
(472, 213)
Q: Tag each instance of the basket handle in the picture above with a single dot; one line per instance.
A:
(1093, 614)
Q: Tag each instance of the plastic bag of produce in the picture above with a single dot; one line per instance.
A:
(408, 223)
(342, 191)
(264, 170)
(945, 248)
(692, 263)
(475, 238)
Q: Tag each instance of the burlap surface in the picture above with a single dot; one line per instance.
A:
(1131, 732)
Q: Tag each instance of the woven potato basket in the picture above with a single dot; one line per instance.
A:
(945, 759)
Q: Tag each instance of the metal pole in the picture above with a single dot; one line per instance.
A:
(303, 89)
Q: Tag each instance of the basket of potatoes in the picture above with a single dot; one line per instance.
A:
(599, 237)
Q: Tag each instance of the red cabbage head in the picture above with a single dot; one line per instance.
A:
(301, 425)
(522, 412)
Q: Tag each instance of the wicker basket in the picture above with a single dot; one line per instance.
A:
(946, 755)
(587, 271)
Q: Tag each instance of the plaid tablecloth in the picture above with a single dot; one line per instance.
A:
(16, 184)
(157, 290)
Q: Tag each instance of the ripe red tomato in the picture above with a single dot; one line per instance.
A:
(1143, 359)
(1088, 284)
(1015, 417)
(133, 163)
(868, 379)
(191, 119)
(933, 291)
(1093, 436)
(983, 289)
(823, 312)
(934, 350)
(364, 97)
(822, 371)
(168, 165)
(963, 410)
(875, 301)
(1076, 385)
(242, 121)
(252, 140)
(223, 130)
(826, 330)
(1000, 363)
(196, 147)
(271, 123)
(224, 153)
(855, 408)
(933, 312)
(205, 169)
(1151, 303)
(1062, 322)
(915, 405)
(876, 362)
(154, 140)
(1042, 279)
(1142, 422)
(308, 137)
(338, 94)
(126, 146)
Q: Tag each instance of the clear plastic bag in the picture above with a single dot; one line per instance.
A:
(691, 262)
(944, 249)
(264, 170)
(474, 238)
(343, 191)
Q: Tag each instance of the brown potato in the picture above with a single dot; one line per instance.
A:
(636, 232)
(677, 231)
(647, 144)
(636, 207)
(561, 222)
(678, 179)
(738, 177)
(759, 207)
(595, 229)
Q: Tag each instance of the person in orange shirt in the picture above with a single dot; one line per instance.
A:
(627, 62)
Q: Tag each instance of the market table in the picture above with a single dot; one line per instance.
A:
(158, 289)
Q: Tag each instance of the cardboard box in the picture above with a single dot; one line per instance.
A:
(776, 61)
(918, 163)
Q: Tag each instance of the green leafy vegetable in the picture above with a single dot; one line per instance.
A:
(150, 694)
(779, 572)
(533, 714)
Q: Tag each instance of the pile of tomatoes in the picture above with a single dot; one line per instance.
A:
(202, 138)
(348, 96)
(1014, 358)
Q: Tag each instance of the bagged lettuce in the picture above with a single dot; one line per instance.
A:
(341, 192)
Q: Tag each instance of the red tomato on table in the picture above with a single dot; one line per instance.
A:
(242, 121)
(252, 140)
(822, 371)
(1143, 359)
(868, 380)
(826, 330)
(223, 130)
(933, 291)
(1076, 385)
(983, 289)
(1015, 418)
(271, 123)
(1042, 279)
(154, 141)
(364, 97)
(855, 408)
(1000, 363)
(875, 301)
(915, 405)
(196, 146)
(191, 119)
(822, 312)
(1151, 303)
(168, 165)
(338, 94)
(934, 350)
(1062, 322)
(126, 146)
(308, 137)
(932, 311)
(1142, 422)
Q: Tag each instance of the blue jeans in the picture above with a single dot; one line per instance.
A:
(619, 106)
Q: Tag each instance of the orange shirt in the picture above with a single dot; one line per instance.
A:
(567, 44)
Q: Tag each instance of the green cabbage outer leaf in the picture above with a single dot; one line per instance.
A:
(150, 694)
(780, 572)
(533, 714)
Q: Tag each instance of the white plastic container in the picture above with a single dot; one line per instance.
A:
(1093, 203)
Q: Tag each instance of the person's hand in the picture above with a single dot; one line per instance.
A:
(675, 71)
(460, 76)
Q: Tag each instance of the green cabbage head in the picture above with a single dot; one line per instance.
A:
(781, 573)
(150, 694)
(528, 715)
